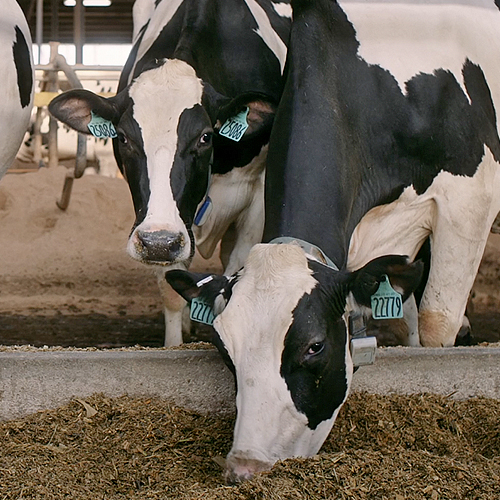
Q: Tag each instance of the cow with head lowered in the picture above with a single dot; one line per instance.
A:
(386, 134)
(194, 67)
(18, 78)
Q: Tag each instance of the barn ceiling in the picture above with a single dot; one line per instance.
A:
(102, 24)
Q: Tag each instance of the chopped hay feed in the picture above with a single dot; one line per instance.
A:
(394, 447)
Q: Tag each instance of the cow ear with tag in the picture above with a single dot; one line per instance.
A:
(211, 289)
(87, 112)
(394, 271)
(246, 116)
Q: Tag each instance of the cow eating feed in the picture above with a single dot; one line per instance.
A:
(386, 134)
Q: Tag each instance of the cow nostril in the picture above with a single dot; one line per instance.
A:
(160, 245)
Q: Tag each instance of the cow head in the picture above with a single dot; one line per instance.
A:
(281, 323)
(165, 121)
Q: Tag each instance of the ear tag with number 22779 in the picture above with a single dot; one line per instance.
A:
(235, 127)
(386, 302)
(101, 128)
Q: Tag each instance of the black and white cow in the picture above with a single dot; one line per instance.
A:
(386, 134)
(194, 65)
(16, 66)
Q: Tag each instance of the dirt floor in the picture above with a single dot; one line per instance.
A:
(65, 278)
(392, 447)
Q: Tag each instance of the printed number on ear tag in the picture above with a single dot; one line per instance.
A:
(101, 128)
(201, 312)
(386, 302)
(235, 127)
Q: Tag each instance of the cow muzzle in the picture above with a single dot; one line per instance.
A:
(158, 247)
(239, 469)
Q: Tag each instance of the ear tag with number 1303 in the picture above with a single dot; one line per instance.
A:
(201, 312)
(386, 302)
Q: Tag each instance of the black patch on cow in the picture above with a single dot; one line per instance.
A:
(317, 383)
(482, 106)
(189, 174)
(22, 60)
(497, 3)
(129, 152)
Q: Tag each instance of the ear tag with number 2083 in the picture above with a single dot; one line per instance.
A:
(386, 302)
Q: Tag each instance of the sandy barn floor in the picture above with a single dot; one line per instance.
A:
(65, 278)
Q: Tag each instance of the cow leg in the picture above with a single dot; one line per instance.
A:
(173, 306)
(457, 246)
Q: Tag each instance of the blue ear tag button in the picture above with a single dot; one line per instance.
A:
(236, 126)
(201, 312)
(386, 302)
(101, 128)
(203, 213)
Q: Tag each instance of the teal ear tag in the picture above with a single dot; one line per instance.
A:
(386, 302)
(235, 127)
(101, 128)
(201, 312)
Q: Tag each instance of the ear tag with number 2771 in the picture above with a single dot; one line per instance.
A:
(235, 127)
(386, 302)
(201, 312)
(100, 127)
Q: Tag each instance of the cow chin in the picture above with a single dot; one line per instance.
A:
(158, 246)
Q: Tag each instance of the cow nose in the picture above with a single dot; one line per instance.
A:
(160, 246)
(243, 469)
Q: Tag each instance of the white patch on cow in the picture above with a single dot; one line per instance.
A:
(163, 13)
(411, 38)
(14, 119)
(142, 12)
(253, 327)
(160, 96)
(457, 211)
(237, 197)
(283, 9)
(267, 33)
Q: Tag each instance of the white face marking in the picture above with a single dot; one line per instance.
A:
(160, 96)
(267, 33)
(283, 9)
(412, 38)
(253, 328)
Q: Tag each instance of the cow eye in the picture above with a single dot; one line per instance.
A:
(315, 348)
(206, 139)
(122, 138)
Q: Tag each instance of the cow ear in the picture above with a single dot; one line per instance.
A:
(403, 275)
(75, 106)
(260, 110)
(215, 290)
